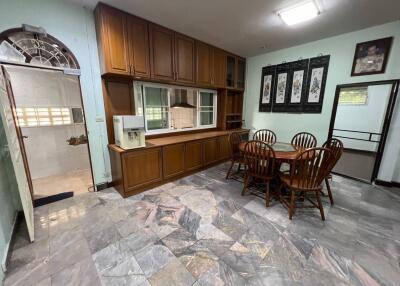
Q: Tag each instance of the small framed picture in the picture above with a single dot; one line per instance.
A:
(282, 86)
(371, 57)
(267, 88)
(316, 80)
(297, 89)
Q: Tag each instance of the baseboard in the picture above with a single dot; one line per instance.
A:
(387, 184)
(18, 216)
(103, 186)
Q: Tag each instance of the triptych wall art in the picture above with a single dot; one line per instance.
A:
(294, 87)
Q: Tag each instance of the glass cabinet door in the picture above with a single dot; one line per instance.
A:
(156, 108)
(241, 66)
(230, 72)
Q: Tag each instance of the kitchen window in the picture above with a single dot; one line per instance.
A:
(168, 108)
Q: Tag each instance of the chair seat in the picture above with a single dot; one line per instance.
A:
(296, 183)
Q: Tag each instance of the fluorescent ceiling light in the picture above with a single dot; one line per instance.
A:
(298, 13)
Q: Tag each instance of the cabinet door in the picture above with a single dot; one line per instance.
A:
(204, 61)
(223, 148)
(112, 32)
(230, 71)
(162, 53)
(173, 160)
(240, 73)
(185, 58)
(142, 167)
(219, 68)
(139, 46)
(210, 151)
(193, 155)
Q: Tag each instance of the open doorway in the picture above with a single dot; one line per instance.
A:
(43, 87)
(361, 118)
(50, 115)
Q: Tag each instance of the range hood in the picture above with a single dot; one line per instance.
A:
(181, 100)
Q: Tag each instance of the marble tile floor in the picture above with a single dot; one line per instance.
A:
(200, 231)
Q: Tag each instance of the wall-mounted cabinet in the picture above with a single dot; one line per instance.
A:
(123, 43)
(131, 46)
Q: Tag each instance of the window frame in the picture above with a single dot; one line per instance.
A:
(169, 87)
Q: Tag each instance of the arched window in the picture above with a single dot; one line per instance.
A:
(36, 48)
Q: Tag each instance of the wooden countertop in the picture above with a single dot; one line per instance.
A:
(169, 140)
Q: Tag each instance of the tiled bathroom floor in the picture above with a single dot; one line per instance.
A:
(76, 181)
(200, 231)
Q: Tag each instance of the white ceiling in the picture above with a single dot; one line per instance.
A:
(251, 27)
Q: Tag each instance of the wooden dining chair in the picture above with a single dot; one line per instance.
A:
(309, 170)
(236, 156)
(260, 164)
(336, 147)
(305, 140)
(265, 135)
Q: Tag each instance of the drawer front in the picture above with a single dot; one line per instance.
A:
(193, 156)
(173, 160)
(142, 167)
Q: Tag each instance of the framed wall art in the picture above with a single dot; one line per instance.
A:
(371, 57)
(267, 88)
(316, 80)
(297, 90)
(281, 89)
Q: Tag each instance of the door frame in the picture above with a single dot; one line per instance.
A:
(386, 122)
(75, 72)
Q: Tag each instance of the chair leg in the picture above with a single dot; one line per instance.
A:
(292, 204)
(328, 187)
(230, 169)
(279, 192)
(267, 193)
(321, 208)
(246, 182)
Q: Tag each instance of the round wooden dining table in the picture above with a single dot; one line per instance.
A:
(284, 152)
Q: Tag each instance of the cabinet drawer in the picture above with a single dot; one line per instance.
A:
(142, 167)
(173, 160)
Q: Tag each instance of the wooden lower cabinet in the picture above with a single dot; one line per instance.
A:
(141, 168)
(223, 148)
(210, 151)
(193, 155)
(173, 160)
(134, 171)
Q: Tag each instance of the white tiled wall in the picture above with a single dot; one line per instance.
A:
(48, 151)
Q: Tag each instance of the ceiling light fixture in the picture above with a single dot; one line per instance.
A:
(300, 12)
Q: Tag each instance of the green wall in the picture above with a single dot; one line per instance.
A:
(341, 49)
(9, 199)
(73, 25)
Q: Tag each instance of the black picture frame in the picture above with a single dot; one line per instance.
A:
(265, 105)
(316, 81)
(297, 87)
(371, 57)
(281, 88)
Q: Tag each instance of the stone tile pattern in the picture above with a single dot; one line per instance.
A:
(199, 230)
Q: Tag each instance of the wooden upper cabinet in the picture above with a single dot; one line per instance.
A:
(240, 73)
(219, 78)
(162, 53)
(185, 59)
(204, 61)
(139, 46)
(113, 36)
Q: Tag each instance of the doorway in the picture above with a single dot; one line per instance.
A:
(361, 118)
(50, 116)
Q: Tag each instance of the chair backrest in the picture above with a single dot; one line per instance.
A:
(336, 146)
(310, 168)
(265, 135)
(259, 158)
(234, 140)
(305, 140)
